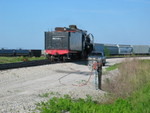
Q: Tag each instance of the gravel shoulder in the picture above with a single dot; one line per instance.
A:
(20, 88)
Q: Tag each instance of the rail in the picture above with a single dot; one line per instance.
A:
(24, 64)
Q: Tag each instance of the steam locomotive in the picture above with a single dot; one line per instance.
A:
(68, 43)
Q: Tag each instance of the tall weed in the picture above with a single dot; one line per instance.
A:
(132, 75)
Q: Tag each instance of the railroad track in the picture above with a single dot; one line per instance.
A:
(35, 63)
(24, 64)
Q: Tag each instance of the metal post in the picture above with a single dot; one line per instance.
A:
(99, 70)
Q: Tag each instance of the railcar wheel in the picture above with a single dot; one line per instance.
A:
(52, 58)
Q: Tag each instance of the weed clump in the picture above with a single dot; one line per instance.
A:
(68, 105)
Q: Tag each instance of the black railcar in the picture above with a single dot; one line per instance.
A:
(68, 43)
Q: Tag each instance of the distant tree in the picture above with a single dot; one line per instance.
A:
(106, 51)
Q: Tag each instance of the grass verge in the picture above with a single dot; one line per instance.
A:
(130, 92)
(18, 59)
(110, 68)
(113, 67)
(138, 102)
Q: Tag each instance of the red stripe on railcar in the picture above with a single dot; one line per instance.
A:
(57, 52)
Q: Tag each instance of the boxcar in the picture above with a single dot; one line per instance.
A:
(35, 53)
(125, 49)
(6, 52)
(112, 49)
(141, 49)
(22, 52)
(99, 47)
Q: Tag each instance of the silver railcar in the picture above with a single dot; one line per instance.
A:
(141, 49)
(112, 49)
(125, 49)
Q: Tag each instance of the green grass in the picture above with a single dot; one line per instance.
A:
(18, 59)
(145, 61)
(138, 102)
(113, 67)
(66, 103)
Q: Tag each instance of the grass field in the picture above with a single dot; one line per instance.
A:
(18, 59)
(129, 93)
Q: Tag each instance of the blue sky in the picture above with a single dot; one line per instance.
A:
(23, 22)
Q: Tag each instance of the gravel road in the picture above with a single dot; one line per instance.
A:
(21, 88)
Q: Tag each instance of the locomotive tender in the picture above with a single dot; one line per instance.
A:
(68, 43)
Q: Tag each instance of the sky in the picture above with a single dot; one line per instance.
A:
(23, 22)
